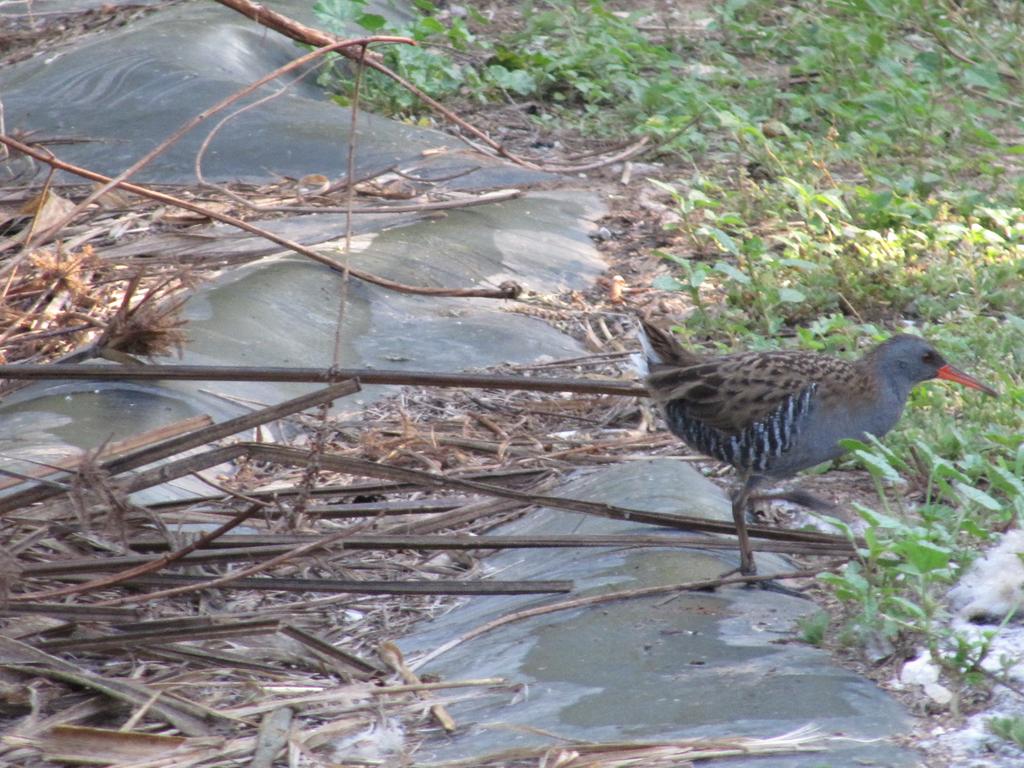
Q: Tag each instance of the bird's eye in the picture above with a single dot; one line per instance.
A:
(930, 357)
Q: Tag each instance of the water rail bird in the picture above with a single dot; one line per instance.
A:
(772, 414)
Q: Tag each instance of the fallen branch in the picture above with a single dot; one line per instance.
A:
(289, 27)
(145, 568)
(69, 372)
(342, 46)
(486, 198)
(180, 583)
(234, 549)
(111, 450)
(392, 656)
(186, 442)
(332, 652)
(336, 463)
(507, 290)
(671, 753)
(302, 33)
(163, 635)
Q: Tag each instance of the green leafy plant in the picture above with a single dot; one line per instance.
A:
(579, 63)
(440, 64)
(1009, 728)
(903, 88)
(906, 563)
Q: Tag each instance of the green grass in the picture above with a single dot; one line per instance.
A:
(854, 168)
(581, 65)
(814, 628)
(906, 92)
(901, 95)
(883, 199)
(885, 204)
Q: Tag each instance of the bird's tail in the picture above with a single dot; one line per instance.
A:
(661, 350)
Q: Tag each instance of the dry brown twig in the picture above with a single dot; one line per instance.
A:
(319, 436)
(106, 183)
(507, 290)
(339, 46)
(391, 654)
(150, 567)
(152, 326)
(305, 34)
(208, 139)
(86, 371)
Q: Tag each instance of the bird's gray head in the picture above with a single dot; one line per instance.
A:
(904, 361)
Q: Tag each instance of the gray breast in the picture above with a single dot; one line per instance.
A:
(843, 420)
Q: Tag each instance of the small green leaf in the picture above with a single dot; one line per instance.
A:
(851, 444)
(871, 540)
(841, 526)
(664, 187)
(428, 25)
(730, 271)
(944, 470)
(519, 81)
(674, 258)
(371, 22)
(667, 283)
(877, 465)
(791, 295)
(926, 556)
(1005, 480)
(909, 608)
(724, 241)
(877, 519)
(701, 200)
(732, 220)
(801, 264)
(978, 496)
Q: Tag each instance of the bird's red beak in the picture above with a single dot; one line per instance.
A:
(949, 373)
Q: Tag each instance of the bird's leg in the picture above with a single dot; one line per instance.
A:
(740, 498)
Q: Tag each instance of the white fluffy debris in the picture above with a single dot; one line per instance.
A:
(994, 585)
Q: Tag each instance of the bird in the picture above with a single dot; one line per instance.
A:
(771, 414)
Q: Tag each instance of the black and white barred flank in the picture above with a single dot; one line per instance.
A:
(758, 445)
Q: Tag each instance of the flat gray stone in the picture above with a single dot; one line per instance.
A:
(699, 664)
(283, 311)
(123, 91)
(119, 93)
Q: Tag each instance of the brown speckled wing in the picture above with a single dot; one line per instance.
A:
(732, 392)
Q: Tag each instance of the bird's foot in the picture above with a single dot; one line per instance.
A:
(770, 585)
(766, 584)
(744, 569)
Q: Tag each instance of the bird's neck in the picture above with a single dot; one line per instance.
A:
(886, 396)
